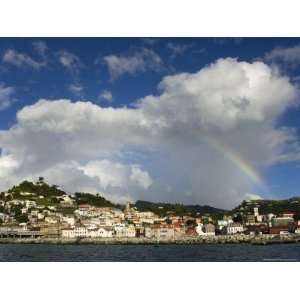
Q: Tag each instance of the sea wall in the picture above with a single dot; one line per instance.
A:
(223, 239)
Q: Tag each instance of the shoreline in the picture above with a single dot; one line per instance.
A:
(233, 239)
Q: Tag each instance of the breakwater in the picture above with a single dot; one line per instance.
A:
(222, 239)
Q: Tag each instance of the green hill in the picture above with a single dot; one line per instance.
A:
(270, 206)
(40, 188)
(163, 209)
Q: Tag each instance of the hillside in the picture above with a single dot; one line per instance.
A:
(95, 200)
(40, 188)
(270, 206)
(178, 208)
(44, 194)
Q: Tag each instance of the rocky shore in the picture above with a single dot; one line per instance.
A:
(223, 239)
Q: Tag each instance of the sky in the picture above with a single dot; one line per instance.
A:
(208, 121)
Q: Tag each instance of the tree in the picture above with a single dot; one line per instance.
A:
(22, 218)
(238, 218)
(190, 222)
(41, 180)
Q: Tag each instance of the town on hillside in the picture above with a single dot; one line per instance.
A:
(39, 210)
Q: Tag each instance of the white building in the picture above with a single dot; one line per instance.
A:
(67, 199)
(29, 203)
(222, 223)
(69, 220)
(27, 194)
(75, 233)
(234, 228)
(83, 232)
(200, 229)
(160, 231)
(101, 233)
(205, 230)
(122, 230)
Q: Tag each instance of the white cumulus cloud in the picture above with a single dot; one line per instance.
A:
(211, 133)
(287, 55)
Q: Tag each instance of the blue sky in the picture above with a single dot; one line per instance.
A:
(117, 72)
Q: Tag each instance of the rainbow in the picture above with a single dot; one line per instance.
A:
(237, 160)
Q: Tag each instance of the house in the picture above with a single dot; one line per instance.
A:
(102, 232)
(160, 231)
(27, 194)
(77, 232)
(235, 228)
(200, 229)
(209, 229)
(206, 230)
(191, 231)
(67, 199)
(270, 216)
(120, 230)
(40, 216)
(250, 219)
(256, 229)
(52, 219)
(282, 221)
(68, 233)
(279, 230)
(222, 223)
(123, 230)
(50, 230)
(69, 219)
(287, 214)
(130, 231)
(29, 203)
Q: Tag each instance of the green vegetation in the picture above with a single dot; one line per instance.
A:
(270, 206)
(49, 195)
(95, 200)
(20, 217)
(39, 189)
(178, 209)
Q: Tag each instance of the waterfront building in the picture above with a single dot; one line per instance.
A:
(191, 231)
(120, 230)
(205, 230)
(123, 230)
(210, 229)
(200, 229)
(77, 232)
(282, 230)
(130, 231)
(222, 223)
(160, 231)
(235, 228)
(101, 232)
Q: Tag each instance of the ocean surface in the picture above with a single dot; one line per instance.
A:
(149, 253)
